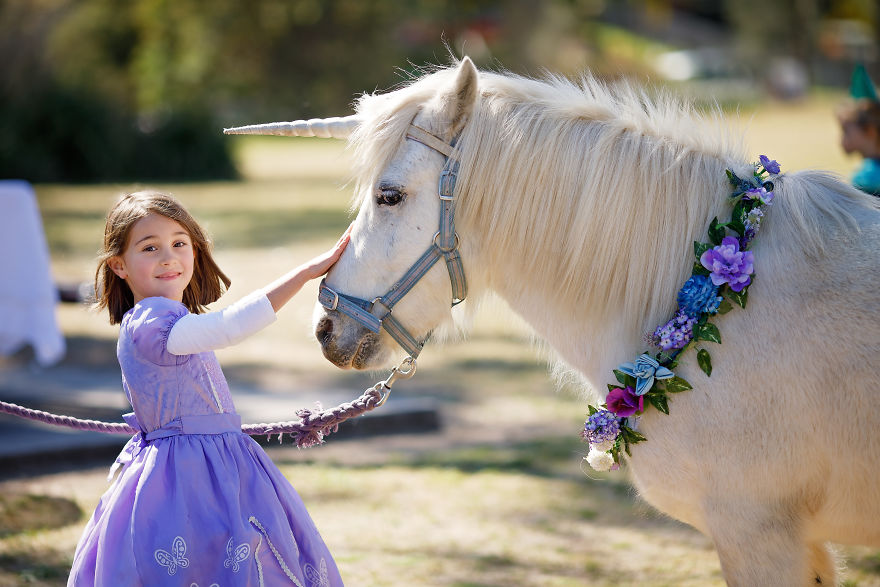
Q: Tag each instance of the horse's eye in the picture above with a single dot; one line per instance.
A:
(389, 196)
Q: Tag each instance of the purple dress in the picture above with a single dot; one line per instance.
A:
(197, 502)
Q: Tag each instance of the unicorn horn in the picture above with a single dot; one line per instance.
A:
(326, 128)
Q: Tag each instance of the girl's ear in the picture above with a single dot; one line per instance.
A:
(117, 266)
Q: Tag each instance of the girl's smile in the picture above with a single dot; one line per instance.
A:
(158, 259)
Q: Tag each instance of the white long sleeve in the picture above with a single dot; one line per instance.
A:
(196, 333)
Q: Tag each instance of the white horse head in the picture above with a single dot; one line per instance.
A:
(399, 213)
(579, 205)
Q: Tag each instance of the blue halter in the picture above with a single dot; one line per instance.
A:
(377, 314)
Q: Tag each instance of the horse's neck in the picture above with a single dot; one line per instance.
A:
(605, 326)
(582, 342)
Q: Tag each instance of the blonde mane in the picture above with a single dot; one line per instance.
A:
(594, 190)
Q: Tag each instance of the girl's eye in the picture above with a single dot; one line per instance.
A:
(180, 244)
(389, 196)
(149, 248)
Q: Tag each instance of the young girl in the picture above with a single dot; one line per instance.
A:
(197, 503)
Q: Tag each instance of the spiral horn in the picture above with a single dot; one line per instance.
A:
(326, 128)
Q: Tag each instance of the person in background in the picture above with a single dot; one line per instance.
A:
(860, 125)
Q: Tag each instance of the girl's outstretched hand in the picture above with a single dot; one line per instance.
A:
(323, 262)
(281, 290)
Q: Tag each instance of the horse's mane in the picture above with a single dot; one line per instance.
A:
(596, 190)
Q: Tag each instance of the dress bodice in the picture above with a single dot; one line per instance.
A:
(162, 386)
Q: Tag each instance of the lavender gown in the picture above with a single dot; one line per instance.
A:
(197, 502)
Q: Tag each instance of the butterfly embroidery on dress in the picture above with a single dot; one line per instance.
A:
(174, 559)
(317, 577)
(236, 555)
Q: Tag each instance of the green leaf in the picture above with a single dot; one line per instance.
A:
(620, 376)
(716, 232)
(700, 248)
(724, 307)
(704, 361)
(658, 400)
(737, 227)
(630, 435)
(739, 212)
(700, 270)
(676, 385)
(592, 410)
(739, 297)
(707, 331)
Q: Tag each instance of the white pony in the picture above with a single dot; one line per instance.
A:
(579, 204)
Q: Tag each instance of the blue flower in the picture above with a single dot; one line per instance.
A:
(769, 164)
(645, 370)
(698, 295)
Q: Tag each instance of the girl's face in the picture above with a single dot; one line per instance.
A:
(158, 259)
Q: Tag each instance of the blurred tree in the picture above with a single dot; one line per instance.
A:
(131, 89)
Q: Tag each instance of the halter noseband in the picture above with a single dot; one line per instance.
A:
(377, 314)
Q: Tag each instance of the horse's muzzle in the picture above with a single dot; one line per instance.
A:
(347, 344)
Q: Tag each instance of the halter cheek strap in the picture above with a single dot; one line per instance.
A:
(377, 314)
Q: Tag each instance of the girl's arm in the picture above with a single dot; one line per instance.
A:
(196, 333)
(281, 290)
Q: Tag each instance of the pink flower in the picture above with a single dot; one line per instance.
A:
(624, 402)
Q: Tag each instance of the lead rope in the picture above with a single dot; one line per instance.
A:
(309, 430)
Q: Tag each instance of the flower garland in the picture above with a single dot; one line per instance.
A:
(722, 274)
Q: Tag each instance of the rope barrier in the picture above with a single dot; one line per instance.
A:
(309, 430)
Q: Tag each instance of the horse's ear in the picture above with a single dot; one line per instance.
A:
(457, 101)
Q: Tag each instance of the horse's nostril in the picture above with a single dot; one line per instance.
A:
(324, 330)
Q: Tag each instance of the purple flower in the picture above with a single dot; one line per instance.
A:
(698, 295)
(624, 402)
(676, 333)
(769, 164)
(602, 426)
(760, 194)
(728, 264)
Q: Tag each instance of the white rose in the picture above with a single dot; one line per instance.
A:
(602, 446)
(600, 460)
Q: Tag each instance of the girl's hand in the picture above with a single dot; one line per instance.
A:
(322, 263)
(280, 291)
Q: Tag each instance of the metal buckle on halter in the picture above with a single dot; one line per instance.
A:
(335, 298)
(454, 244)
(446, 184)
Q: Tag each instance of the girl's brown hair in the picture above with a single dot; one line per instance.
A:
(208, 281)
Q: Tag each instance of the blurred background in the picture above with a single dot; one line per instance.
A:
(472, 473)
(107, 90)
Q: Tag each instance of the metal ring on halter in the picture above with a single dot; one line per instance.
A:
(454, 246)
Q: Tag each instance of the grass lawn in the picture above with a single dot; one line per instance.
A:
(498, 496)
